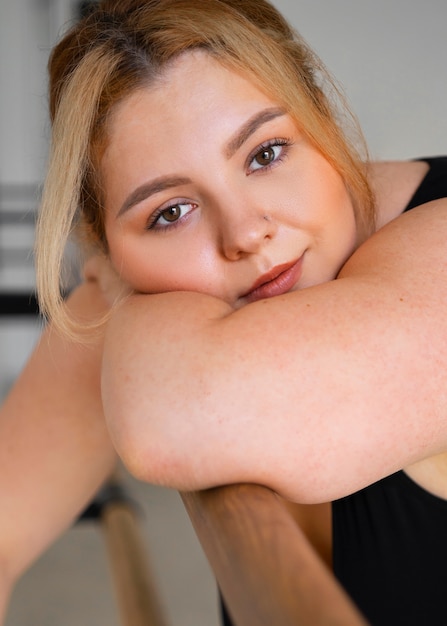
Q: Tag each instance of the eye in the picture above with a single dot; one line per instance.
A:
(170, 215)
(266, 155)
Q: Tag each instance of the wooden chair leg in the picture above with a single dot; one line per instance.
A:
(135, 588)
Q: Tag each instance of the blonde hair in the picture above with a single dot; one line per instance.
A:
(124, 45)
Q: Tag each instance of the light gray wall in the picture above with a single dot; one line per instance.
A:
(391, 58)
(28, 28)
(24, 41)
(390, 55)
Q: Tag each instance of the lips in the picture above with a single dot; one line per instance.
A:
(277, 281)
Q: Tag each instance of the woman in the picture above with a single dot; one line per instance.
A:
(203, 159)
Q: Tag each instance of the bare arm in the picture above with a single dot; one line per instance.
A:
(314, 394)
(54, 448)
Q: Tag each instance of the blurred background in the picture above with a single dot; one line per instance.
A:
(389, 56)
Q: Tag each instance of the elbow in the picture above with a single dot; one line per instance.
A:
(156, 451)
(150, 453)
(150, 464)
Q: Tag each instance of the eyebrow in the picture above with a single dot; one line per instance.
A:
(148, 189)
(167, 182)
(250, 127)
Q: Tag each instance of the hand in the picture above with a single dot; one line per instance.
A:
(99, 269)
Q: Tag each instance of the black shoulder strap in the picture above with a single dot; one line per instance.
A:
(434, 184)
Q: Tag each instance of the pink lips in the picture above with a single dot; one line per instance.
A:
(277, 281)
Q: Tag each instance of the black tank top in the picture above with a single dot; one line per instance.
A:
(390, 539)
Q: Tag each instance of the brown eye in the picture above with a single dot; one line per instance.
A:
(265, 156)
(172, 214)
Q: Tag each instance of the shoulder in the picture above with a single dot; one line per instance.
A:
(394, 183)
(410, 245)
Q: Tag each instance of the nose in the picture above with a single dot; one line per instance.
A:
(245, 232)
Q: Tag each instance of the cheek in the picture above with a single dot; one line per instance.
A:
(149, 267)
(337, 209)
(128, 258)
(341, 235)
(341, 229)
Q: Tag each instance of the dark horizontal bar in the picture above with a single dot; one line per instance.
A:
(12, 304)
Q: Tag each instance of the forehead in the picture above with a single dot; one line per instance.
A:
(183, 125)
(194, 90)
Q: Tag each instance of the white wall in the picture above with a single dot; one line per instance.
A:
(391, 58)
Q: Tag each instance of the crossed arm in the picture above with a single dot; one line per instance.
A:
(315, 393)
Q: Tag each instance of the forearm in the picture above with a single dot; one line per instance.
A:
(54, 447)
(294, 392)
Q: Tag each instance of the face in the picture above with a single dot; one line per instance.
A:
(211, 187)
